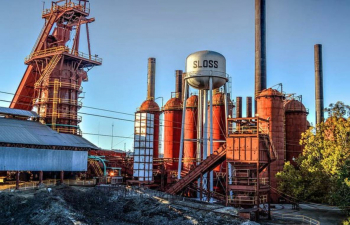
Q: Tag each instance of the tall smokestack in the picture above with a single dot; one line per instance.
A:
(238, 107)
(260, 47)
(178, 84)
(151, 78)
(319, 84)
(249, 107)
(183, 86)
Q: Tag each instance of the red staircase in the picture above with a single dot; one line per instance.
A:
(207, 165)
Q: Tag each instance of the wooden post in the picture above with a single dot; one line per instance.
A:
(17, 180)
(62, 177)
(41, 174)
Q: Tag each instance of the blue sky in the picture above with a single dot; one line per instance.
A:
(127, 32)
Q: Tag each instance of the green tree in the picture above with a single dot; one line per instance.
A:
(322, 173)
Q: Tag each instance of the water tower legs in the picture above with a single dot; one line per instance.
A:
(182, 131)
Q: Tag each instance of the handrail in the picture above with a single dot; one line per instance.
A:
(65, 116)
(69, 5)
(62, 49)
(59, 100)
(302, 218)
(75, 131)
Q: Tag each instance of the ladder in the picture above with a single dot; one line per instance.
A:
(207, 165)
(54, 105)
(48, 70)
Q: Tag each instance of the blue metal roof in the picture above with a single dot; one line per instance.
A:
(17, 112)
(34, 133)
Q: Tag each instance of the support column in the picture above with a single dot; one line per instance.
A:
(269, 194)
(17, 180)
(182, 131)
(199, 139)
(62, 176)
(205, 135)
(229, 166)
(211, 188)
(41, 175)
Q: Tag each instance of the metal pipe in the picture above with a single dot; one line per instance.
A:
(205, 125)
(178, 84)
(226, 123)
(41, 174)
(205, 136)
(200, 124)
(319, 84)
(249, 107)
(238, 107)
(199, 138)
(62, 177)
(17, 180)
(182, 133)
(211, 131)
(260, 48)
(226, 107)
(151, 78)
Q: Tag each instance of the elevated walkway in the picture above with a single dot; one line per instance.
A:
(207, 165)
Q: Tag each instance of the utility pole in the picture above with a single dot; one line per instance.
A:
(112, 137)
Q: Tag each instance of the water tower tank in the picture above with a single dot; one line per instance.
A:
(202, 65)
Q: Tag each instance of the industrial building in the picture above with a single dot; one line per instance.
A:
(211, 151)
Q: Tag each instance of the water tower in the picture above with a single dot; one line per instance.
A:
(205, 71)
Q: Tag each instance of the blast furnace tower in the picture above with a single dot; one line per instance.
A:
(51, 84)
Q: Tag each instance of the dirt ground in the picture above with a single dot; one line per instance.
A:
(72, 205)
(82, 205)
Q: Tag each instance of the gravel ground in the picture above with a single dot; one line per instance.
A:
(121, 205)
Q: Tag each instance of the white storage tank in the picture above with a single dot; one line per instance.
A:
(202, 65)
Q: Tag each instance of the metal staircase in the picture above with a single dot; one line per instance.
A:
(48, 70)
(207, 165)
(44, 33)
(96, 167)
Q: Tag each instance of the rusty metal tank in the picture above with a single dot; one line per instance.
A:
(270, 106)
(295, 125)
(219, 123)
(150, 106)
(190, 131)
(172, 131)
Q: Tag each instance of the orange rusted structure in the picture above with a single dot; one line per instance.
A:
(296, 124)
(150, 106)
(172, 131)
(219, 124)
(270, 107)
(51, 84)
(190, 132)
(249, 153)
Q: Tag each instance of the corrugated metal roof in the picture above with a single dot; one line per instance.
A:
(30, 132)
(18, 112)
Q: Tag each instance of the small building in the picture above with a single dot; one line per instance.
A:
(27, 145)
